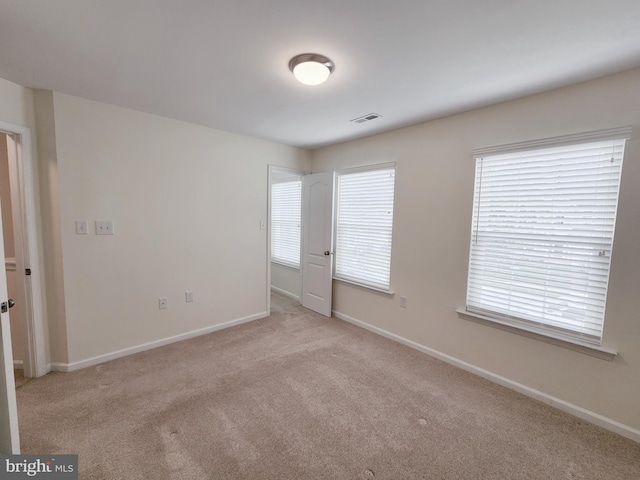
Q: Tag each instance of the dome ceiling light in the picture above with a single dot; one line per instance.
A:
(311, 68)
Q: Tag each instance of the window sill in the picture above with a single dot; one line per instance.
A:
(575, 345)
(390, 293)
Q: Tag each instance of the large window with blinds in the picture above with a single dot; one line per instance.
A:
(286, 208)
(364, 223)
(542, 234)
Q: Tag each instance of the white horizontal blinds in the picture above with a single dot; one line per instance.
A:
(542, 233)
(364, 222)
(286, 208)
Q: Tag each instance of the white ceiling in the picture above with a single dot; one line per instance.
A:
(224, 63)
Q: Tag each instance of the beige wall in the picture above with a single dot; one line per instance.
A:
(5, 199)
(16, 104)
(286, 279)
(186, 202)
(434, 187)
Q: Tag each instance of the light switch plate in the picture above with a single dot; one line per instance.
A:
(104, 227)
(82, 227)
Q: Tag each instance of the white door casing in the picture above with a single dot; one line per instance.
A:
(317, 242)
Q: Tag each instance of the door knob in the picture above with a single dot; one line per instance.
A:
(5, 306)
(327, 253)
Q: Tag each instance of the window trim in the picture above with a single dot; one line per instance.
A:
(504, 322)
(347, 171)
(362, 285)
(285, 264)
(586, 137)
(570, 343)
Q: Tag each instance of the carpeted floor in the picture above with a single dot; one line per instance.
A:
(299, 396)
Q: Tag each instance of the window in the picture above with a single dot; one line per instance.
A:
(364, 221)
(286, 198)
(542, 234)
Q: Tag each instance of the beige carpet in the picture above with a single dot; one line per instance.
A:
(298, 396)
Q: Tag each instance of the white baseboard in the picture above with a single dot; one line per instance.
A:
(18, 364)
(285, 293)
(587, 415)
(89, 362)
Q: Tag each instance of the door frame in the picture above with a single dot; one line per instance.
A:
(24, 214)
(271, 170)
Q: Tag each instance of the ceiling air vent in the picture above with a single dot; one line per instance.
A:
(366, 118)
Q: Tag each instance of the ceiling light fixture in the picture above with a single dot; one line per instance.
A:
(311, 68)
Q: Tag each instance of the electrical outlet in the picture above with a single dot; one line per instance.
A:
(104, 227)
(403, 302)
(163, 303)
(188, 296)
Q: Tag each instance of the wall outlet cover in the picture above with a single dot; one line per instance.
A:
(104, 227)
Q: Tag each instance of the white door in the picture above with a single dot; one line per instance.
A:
(9, 440)
(317, 241)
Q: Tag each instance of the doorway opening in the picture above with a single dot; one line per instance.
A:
(300, 237)
(284, 233)
(14, 288)
(21, 255)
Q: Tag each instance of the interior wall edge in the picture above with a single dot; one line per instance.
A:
(52, 275)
